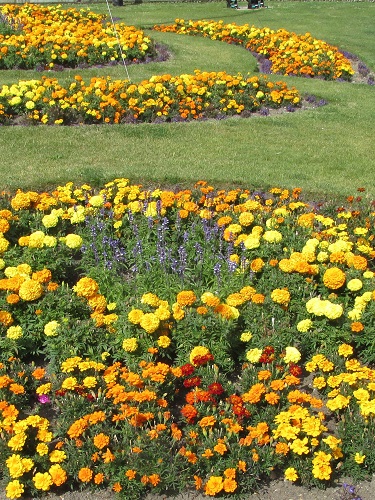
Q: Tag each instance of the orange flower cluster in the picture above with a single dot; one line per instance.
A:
(48, 37)
(290, 54)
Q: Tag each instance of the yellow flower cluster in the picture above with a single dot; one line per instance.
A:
(160, 97)
(88, 288)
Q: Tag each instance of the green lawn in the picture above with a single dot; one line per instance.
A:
(328, 150)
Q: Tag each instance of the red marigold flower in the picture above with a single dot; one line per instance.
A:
(187, 369)
(295, 370)
(192, 382)
(215, 388)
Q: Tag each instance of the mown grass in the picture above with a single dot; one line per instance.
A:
(326, 151)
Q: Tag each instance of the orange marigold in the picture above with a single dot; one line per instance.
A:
(357, 327)
(334, 278)
(186, 298)
(85, 475)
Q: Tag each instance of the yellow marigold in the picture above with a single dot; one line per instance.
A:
(321, 466)
(290, 474)
(272, 236)
(4, 244)
(58, 474)
(150, 299)
(186, 298)
(14, 332)
(51, 329)
(130, 345)
(163, 313)
(73, 241)
(345, 350)
(253, 355)
(246, 336)
(14, 489)
(98, 302)
(304, 325)
(57, 456)
(246, 219)
(149, 322)
(257, 265)
(354, 285)
(164, 341)
(86, 287)
(135, 316)
(292, 355)
(69, 383)
(359, 458)
(4, 225)
(235, 299)
(281, 296)
(247, 292)
(334, 278)
(30, 290)
(42, 481)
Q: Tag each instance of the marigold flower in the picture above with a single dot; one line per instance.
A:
(149, 322)
(86, 287)
(334, 278)
(304, 325)
(354, 285)
(197, 352)
(281, 296)
(131, 474)
(14, 332)
(130, 344)
(291, 474)
(357, 327)
(42, 481)
(253, 355)
(51, 329)
(14, 489)
(13, 298)
(164, 341)
(101, 441)
(345, 350)
(30, 290)
(292, 355)
(359, 458)
(186, 298)
(214, 485)
(85, 474)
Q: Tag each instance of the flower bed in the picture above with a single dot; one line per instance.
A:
(201, 338)
(37, 37)
(162, 98)
(288, 53)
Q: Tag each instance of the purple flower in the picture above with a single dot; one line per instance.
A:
(43, 398)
